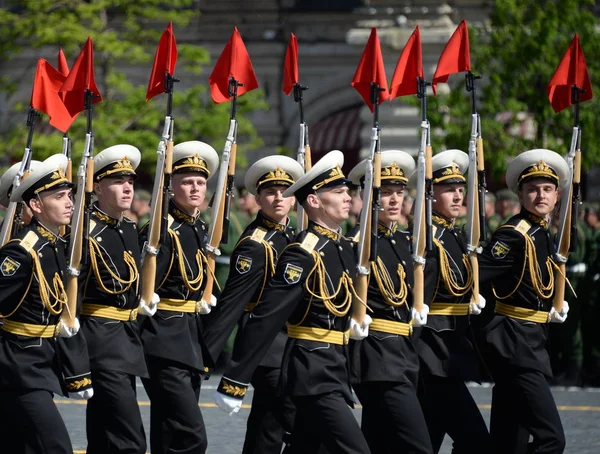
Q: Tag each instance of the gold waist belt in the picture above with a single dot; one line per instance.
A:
(521, 313)
(174, 305)
(449, 309)
(389, 326)
(115, 313)
(29, 330)
(318, 334)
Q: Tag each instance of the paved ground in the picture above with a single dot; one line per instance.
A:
(579, 409)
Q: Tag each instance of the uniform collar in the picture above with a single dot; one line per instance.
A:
(102, 216)
(181, 215)
(44, 232)
(534, 218)
(323, 231)
(387, 231)
(441, 220)
(269, 223)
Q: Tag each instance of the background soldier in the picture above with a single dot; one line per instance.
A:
(448, 357)
(32, 298)
(252, 266)
(312, 289)
(385, 365)
(518, 261)
(175, 352)
(109, 308)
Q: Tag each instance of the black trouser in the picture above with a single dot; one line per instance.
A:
(450, 409)
(30, 423)
(176, 423)
(392, 419)
(326, 419)
(271, 414)
(114, 424)
(522, 404)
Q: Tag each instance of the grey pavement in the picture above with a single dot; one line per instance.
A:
(579, 410)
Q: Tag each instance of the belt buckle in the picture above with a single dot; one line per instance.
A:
(133, 314)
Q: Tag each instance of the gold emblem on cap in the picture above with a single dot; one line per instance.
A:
(541, 167)
(336, 172)
(124, 163)
(452, 170)
(58, 174)
(392, 171)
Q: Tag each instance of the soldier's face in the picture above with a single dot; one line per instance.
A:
(53, 208)
(333, 203)
(538, 196)
(115, 194)
(448, 199)
(392, 197)
(273, 204)
(189, 191)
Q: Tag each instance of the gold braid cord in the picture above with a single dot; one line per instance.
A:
(530, 262)
(59, 295)
(386, 286)
(269, 271)
(129, 261)
(453, 287)
(195, 283)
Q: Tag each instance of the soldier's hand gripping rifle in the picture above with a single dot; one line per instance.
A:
(13, 210)
(422, 240)
(78, 246)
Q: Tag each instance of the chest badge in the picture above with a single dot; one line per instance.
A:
(292, 273)
(243, 264)
(9, 266)
(500, 250)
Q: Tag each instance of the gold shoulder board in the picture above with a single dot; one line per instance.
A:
(433, 230)
(259, 234)
(170, 219)
(92, 224)
(29, 241)
(310, 242)
(523, 227)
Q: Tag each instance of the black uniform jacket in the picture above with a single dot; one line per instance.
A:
(252, 265)
(384, 356)
(445, 344)
(319, 259)
(110, 278)
(504, 262)
(37, 256)
(177, 336)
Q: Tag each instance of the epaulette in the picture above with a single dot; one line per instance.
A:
(170, 221)
(433, 230)
(29, 241)
(354, 238)
(92, 225)
(258, 234)
(309, 242)
(523, 227)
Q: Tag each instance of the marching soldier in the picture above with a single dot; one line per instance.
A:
(175, 354)
(447, 355)
(519, 262)
(385, 365)
(109, 307)
(33, 296)
(252, 266)
(312, 289)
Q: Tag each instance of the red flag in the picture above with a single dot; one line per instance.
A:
(164, 62)
(371, 69)
(233, 62)
(456, 56)
(408, 68)
(572, 70)
(290, 68)
(81, 78)
(46, 98)
(63, 66)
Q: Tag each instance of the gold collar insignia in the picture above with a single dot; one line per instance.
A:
(442, 221)
(537, 220)
(105, 217)
(387, 231)
(326, 232)
(182, 216)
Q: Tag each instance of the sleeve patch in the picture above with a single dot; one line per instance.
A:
(500, 250)
(292, 273)
(243, 264)
(9, 267)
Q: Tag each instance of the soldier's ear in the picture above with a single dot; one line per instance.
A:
(313, 201)
(35, 205)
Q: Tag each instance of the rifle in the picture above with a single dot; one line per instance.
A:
(369, 216)
(78, 246)
(217, 231)
(476, 188)
(569, 208)
(159, 206)
(12, 219)
(422, 227)
(303, 156)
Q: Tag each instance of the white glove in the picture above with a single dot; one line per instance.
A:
(420, 318)
(477, 308)
(358, 332)
(85, 394)
(149, 309)
(229, 405)
(202, 307)
(559, 317)
(64, 331)
(213, 300)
